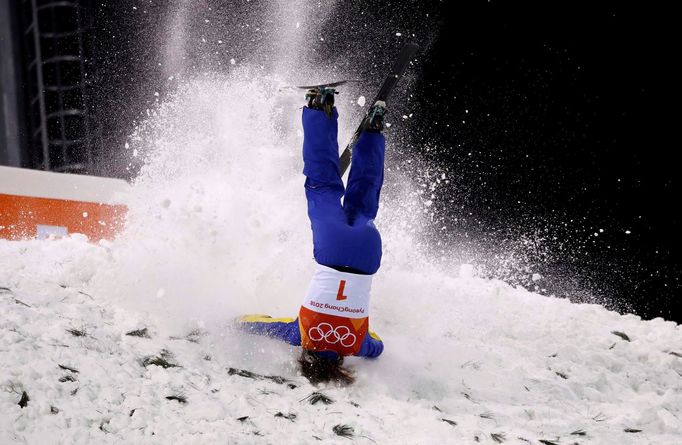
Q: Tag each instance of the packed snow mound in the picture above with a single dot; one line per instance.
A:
(467, 360)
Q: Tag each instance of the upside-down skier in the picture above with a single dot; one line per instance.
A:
(333, 321)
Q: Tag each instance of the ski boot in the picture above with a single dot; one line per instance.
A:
(374, 121)
(321, 98)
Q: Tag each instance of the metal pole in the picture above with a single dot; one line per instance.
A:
(10, 145)
(41, 87)
(86, 111)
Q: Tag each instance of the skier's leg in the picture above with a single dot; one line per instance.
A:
(335, 242)
(366, 177)
(361, 203)
(323, 185)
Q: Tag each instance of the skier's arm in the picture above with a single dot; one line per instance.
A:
(285, 329)
(372, 346)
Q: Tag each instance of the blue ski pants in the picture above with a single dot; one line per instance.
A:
(344, 235)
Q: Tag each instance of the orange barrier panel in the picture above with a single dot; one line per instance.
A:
(24, 217)
(37, 204)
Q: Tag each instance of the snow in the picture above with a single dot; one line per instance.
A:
(217, 228)
(491, 358)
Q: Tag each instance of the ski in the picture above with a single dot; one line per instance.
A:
(406, 54)
(328, 85)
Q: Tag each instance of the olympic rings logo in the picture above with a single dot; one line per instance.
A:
(326, 332)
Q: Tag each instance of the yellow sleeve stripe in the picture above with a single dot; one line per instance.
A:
(261, 318)
(374, 335)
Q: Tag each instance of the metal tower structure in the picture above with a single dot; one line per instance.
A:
(56, 79)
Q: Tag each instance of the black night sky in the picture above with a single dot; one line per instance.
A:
(556, 122)
(562, 121)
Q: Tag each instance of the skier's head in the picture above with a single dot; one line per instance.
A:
(324, 367)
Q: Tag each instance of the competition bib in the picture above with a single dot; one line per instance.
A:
(334, 314)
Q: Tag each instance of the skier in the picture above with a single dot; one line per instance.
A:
(333, 319)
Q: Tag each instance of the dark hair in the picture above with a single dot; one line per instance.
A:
(321, 370)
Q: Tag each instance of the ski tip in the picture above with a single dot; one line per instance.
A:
(410, 48)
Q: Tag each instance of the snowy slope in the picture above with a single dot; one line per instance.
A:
(492, 359)
(217, 228)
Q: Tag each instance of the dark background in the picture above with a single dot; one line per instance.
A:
(556, 123)
(560, 122)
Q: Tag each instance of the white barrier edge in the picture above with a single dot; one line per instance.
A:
(42, 184)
